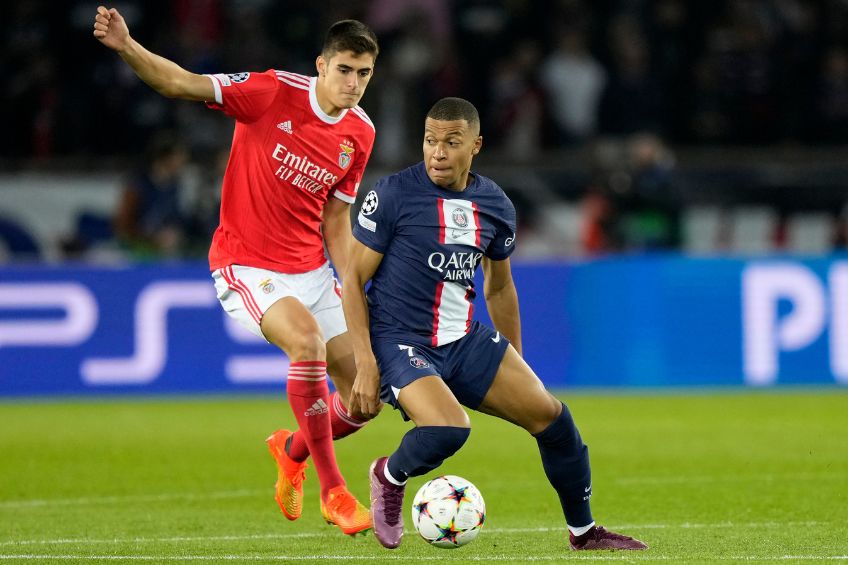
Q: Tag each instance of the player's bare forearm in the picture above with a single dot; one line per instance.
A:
(362, 264)
(364, 398)
(355, 305)
(504, 312)
(502, 300)
(337, 233)
(164, 76)
(356, 316)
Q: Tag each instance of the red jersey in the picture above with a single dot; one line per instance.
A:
(287, 158)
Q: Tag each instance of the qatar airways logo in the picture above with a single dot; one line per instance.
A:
(302, 172)
(456, 266)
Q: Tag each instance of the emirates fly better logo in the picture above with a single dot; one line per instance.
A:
(301, 172)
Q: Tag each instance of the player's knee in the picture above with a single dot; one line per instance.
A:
(443, 441)
(308, 346)
(552, 410)
(424, 448)
(455, 437)
(446, 416)
(561, 433)
(544, 414)
(459, 419)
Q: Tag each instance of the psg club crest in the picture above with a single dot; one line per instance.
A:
(418, 363)
(344, 156)
(459, 218)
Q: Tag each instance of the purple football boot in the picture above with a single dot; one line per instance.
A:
(386, 505)
(601, 538)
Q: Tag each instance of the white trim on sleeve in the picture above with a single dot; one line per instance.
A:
(344, 197)
(219, 98)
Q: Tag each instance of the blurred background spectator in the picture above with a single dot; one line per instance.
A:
(574, 82)
(148, 219)
(622, 126)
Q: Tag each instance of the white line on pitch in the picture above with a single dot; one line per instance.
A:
(270, 536)
(245, 493)
(629, 557)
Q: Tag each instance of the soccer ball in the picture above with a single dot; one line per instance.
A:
(448, 511)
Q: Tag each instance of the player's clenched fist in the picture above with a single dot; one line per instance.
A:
(111, 29)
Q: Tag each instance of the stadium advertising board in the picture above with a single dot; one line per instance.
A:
(655, 321)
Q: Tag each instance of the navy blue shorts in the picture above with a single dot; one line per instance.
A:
(467, 366)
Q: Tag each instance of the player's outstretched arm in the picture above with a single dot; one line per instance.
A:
(502, 299)
(164, 76)
(362, 264)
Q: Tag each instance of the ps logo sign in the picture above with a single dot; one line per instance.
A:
(814, 308)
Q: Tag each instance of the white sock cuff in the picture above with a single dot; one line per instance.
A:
(390, 478)
(581, 530)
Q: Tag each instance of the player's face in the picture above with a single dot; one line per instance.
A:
(343, 78)
(449, 148)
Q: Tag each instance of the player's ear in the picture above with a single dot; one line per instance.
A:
(321, 65)
(478, 145)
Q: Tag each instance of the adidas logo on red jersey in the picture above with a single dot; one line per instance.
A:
(285, 126)
(320, 407)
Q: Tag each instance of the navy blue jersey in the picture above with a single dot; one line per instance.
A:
(432, 240)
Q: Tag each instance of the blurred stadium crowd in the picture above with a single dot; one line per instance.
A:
(615, 125)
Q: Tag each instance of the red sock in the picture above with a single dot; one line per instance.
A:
(309, 397)
(342, 424)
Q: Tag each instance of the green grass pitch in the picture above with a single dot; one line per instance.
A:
(727, 476)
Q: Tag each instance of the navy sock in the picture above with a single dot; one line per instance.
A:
(566, 461)
(424, 448)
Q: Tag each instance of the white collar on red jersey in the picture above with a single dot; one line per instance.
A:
(313, 101)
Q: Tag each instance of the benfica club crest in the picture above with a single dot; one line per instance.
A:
(459, 218)
(344, 156)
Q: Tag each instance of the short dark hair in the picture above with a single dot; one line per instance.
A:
(350, 35)
(451, 108)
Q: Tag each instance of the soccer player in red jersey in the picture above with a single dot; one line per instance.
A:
(299, 149)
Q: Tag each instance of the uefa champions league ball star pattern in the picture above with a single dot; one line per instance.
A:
(369, 203)
(448, 512)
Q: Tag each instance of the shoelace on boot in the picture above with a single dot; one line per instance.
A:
(393, 498)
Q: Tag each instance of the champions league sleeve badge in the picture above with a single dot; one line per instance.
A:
(239, 77)
(369, 203)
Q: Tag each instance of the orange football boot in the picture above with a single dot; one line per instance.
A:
(343, 510)
(290, 475)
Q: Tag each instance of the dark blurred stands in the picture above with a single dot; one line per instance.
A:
(629, 125)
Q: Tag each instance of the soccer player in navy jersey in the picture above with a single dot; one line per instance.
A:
(419, 238)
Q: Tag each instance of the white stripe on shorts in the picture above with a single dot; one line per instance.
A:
(247, 298)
